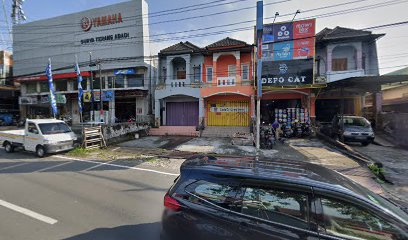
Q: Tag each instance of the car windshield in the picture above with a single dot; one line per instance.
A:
(54, 128)
(356, 121)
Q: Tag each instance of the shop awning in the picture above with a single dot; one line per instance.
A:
(365, 84)
(55, 77)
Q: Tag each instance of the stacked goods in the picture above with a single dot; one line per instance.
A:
(290, 115)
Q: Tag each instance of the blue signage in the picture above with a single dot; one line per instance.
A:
(283, 31)
(268, 34)
(124, 71)
(283, 51)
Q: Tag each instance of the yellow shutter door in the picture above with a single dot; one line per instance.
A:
(228, 113)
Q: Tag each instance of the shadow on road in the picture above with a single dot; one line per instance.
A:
(149, 231)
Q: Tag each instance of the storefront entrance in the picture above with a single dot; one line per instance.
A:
(182, 113)
(228, 113)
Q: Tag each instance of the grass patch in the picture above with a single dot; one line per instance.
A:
(80, 152)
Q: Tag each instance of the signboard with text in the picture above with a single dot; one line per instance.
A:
(287, 73)
(288, 52)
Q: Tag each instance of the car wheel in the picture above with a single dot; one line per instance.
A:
(8, 147)
(365, 143)
(40, 152)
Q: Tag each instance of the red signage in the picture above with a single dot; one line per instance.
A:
(87, 23)
(304, 28)
(303, 48)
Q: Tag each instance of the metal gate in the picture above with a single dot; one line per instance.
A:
(228, 113)
(182, 113)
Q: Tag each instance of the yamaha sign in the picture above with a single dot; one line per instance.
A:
(89, 23)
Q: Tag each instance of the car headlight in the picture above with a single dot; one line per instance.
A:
(48, 142)
(347, 133)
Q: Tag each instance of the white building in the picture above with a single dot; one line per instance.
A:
(117, 36)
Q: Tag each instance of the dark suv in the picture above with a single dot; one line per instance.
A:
(238, 198)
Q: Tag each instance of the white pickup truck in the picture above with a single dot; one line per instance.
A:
(41, 136)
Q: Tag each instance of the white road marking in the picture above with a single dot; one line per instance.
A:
(96, 166)
(58, 165)
(14, 166)
(27, 212)
(117, 165)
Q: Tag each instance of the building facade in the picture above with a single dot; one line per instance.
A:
(111, 46)
(345, 57)
(177, 97)
(228, 84)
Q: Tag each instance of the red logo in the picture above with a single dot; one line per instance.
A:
(86, 24)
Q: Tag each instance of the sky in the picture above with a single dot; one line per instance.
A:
(352, 14)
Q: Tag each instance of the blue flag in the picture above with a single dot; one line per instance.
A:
(48, 72)
(80, 90)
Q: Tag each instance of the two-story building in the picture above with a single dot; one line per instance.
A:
(228, 90)
(347, 60)
(114, 62)
(177, 95)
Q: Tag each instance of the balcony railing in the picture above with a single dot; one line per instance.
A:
(226, 81)
(339, 75)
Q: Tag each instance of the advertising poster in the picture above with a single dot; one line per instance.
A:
(303, 48)
(283, 31)
(287, 73)
(304, 29)
(283, 51)
(267, 36)
(267, 52)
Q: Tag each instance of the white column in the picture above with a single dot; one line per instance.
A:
(359, 49)
(201, 109)
(188, 70)
(112, 111)
(157, 112)
(169, 69)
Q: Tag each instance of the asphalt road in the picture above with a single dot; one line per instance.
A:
(56, 198)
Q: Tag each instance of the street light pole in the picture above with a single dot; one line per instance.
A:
(91, 85)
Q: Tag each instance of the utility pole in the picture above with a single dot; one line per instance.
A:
(259, 33)
(100, 95)
(91, 85)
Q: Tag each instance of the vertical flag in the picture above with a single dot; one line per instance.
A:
(48, 72)
(80, 90)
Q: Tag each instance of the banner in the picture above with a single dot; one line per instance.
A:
(80, 90)
(107, 96)
(283, 31)
(304, 29)
(287, 73)
(124, 72)
(303, 48)
(283, 51)
(48, 72)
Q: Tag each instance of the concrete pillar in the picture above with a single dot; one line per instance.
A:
(215, 75)
(329, 59)
(201, 111)
(377, 109)
(359, 56)
(188, 70)
(157, 112)
(169, 69)
(238, 69)
(112, 111)
(253, 107)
